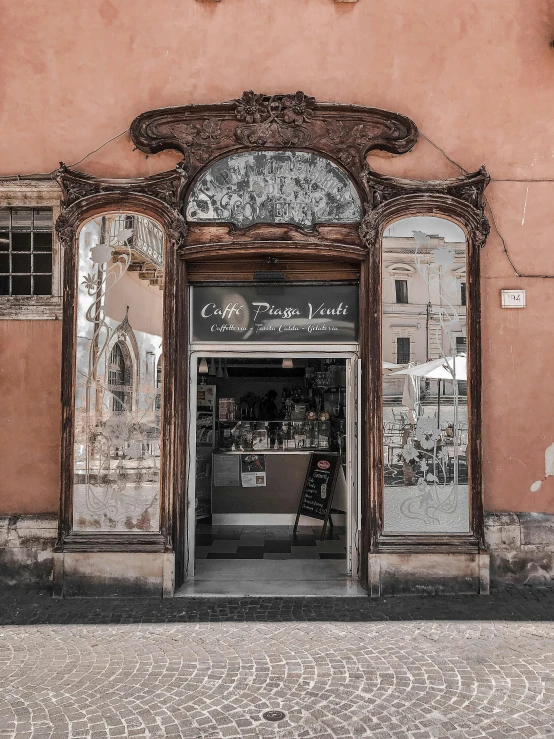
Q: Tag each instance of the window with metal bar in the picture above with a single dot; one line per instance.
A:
(401, 291)
(25, 251)
(402, 350)
(463, 298)
(119, 378)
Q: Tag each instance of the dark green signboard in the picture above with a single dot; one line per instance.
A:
(275, 313)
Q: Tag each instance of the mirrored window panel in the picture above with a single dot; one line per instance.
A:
(294, 187)
(425, 412)
(118, 375)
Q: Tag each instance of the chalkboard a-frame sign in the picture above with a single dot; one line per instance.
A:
(319, 488)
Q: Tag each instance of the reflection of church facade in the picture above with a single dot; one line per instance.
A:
(118, 387)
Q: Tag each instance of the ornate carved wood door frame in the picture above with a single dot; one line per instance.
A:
(460, 200)
(84, 198)
(344, 134)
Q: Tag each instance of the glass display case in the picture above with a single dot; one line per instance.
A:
(303, 411)
(285, 435)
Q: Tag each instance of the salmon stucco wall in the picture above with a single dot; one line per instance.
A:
(30, 416)
(476, 77)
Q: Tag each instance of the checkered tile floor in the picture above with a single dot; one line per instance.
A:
(269, 542)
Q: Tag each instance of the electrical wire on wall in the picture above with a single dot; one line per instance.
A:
(49, 175)
(490, 208)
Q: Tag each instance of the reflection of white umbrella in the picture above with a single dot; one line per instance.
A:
(410, 397)
(446, 368)
(439, 369)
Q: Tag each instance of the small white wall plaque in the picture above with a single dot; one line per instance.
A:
(513, 298)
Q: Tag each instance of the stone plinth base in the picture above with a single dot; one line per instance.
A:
(26, 550)
(428, 573)
(114, 574)
(521, 546)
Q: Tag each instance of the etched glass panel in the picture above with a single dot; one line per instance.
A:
(119, 344)
(274, 187)
(425, 413)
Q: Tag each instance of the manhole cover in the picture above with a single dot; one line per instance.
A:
(273, 715)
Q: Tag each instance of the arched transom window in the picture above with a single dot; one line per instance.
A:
(295, 187)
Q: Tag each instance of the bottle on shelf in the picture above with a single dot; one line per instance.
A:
(308, 434)
(288, 408)
(290, 441)
(300, 435)
(282, 436)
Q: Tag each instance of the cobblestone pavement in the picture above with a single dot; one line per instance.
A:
(400, 667)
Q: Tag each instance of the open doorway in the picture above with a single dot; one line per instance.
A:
(272, 497)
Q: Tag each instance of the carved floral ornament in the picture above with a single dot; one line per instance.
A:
(258, 122)
(391, 198)
(158, 197)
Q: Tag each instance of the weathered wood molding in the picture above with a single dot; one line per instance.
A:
(459, 199)
(155, 197)
(18, 192)
(257, 122)
(203, 133)
(469, 187)
(166, 186)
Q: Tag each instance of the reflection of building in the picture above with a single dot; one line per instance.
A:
(425, 431)
(420, 296)
(117, 439)
(424, 302)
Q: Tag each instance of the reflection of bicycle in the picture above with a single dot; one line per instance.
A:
(400, 417)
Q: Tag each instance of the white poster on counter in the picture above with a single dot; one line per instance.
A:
(226, 470)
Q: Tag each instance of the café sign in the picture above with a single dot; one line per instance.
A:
(279, 314)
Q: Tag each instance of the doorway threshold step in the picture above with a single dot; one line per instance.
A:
(273, 578)
(274, 589)
(270, 569)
